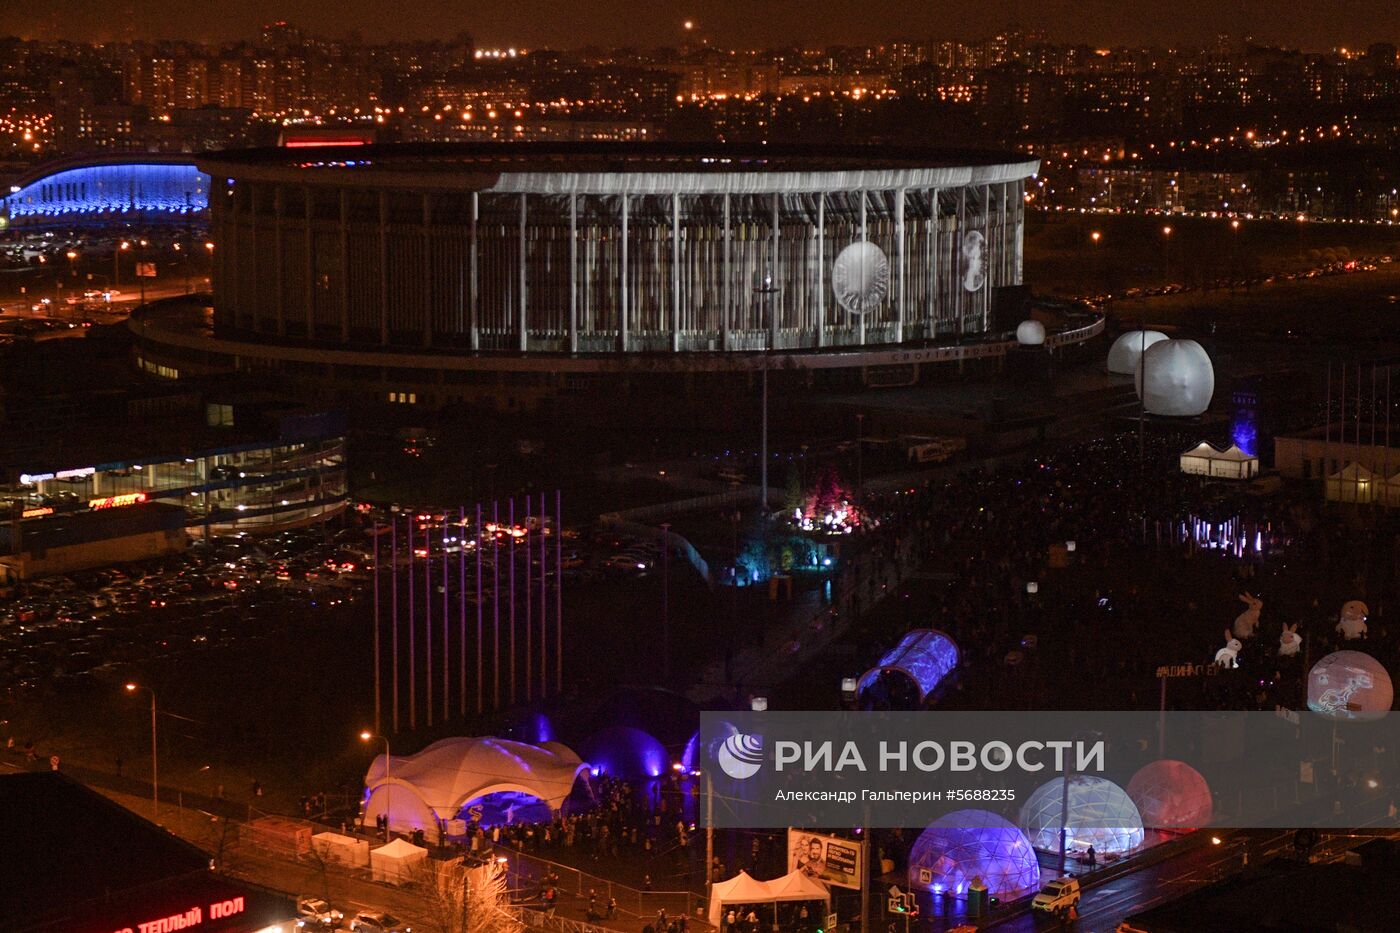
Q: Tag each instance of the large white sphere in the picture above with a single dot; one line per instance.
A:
(1175, 378)
(1030, 333)
(960, 847)
(1123, 356)
(1171, 794)
(1350, 685)
(860, 277)
(1101, 815)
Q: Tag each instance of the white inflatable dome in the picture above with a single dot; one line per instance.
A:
(1175, 378)
(1350, 685)
(1030, 333)
(1101, 814)
(1123, 356)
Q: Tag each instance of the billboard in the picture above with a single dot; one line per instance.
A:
(826, 858)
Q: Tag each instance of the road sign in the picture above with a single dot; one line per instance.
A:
(831, 921)
(925, 876)
(898, 902)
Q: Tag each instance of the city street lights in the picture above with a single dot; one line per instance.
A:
(367, 736)
(155, 758)
(122, 247)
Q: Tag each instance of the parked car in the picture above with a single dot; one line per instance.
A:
(1057, 897)
(373, 921)
(314, 910)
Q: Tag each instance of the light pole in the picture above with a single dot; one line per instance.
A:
(116, 261)
(666, 603)
(155, 757)
(366, 736)
(766, 290)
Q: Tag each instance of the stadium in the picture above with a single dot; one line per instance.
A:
(434, 274)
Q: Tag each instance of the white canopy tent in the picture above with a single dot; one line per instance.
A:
(333, 848)
(743, 888)
(1352, 483)
(1230, 463)
(396, 862)
(424, 790)
(1390, 491)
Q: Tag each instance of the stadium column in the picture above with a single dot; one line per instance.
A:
(774, 300)
(821, 268)
(278, 205)
(255, 305)
(959, 307)
(900, 263)
(728, 281)
(308, 283)
(573, 272)
(428, 271)
(344, 265)
(384, 268)
(472, 296)
(864, 238)
(675, 272)
(623, 303)
(522, 326)
(931, 262)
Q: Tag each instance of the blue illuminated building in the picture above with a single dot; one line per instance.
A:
(148, 191)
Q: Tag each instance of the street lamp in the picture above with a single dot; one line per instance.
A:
(155, 758)
(366, 736)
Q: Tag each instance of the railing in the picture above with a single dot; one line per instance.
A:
(526, 875)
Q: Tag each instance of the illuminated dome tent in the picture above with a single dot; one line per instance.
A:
(1171, 794)
(1350, 685)
(968, 844)
(1101, 815)
(506, 781)
(1175, 378)
(624, 752)
(1123, 356)
(909, 671)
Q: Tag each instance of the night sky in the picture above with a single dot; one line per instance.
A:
(730, 23)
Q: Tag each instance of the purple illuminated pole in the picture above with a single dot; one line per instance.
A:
(496, 605)
(529, 612)
(394, 611)
(428, 616)
(558, 595)
(511, 544)
(462, 610)
(412, 637)
(378, 709)
(446, 619)
(544, 604)
(480, 608)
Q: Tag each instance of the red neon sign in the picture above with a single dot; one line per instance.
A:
(187, 919)
(116, 502)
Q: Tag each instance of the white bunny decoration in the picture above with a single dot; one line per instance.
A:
(1226, 657)
(1246, 622)
(1289, 641)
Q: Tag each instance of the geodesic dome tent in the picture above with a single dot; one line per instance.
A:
(1123, 356)
(914, 668)
(1101, 814)
(968, 844)
(420, 791)
(1350, 685)
(1030, 334)
(1170, 794)
(624, 752)
(1175, 378)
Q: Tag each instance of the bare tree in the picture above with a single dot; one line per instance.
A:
(458, 898)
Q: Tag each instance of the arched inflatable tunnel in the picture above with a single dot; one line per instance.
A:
(908, 672)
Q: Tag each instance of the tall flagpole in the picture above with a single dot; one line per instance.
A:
(544, 603)
(378, 689)
(446, 622)
(529, 610)
(462, 609)
(412, 635)
(510, 544)
(480, 609)
(558, 595)
(394, 610)
(428, 615)
(496, 605)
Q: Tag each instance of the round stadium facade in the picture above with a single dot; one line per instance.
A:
(443, 270)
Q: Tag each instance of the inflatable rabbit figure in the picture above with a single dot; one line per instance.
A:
(1226, 657)
(1289, 641)
(1246, 622)
(1353, 620)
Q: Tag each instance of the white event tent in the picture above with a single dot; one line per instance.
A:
(1352, 483)
(1230, 463)
(743, 888)
(334, 848)
(424, 790)
(396, 862)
